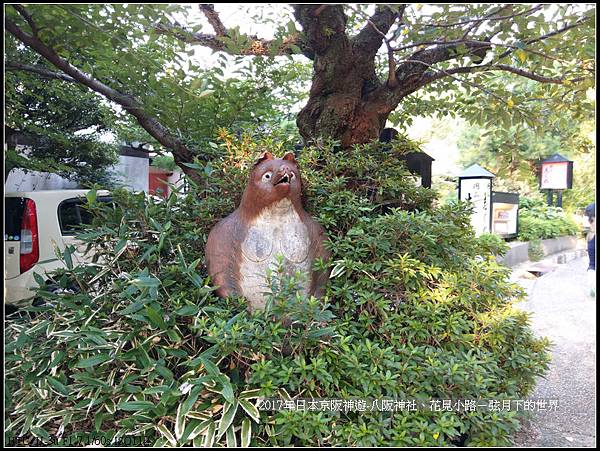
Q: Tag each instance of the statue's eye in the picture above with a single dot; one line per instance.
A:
(267, 176)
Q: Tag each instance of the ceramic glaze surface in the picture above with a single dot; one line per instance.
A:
(277, 231)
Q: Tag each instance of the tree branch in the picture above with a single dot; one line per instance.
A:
(486, 18)
(548, 35)
(503, 67)
(322, 26)
(416, 65)
(369, 39)
(23, 12)
(39, 70)
(489, 16)
(180, 151)
(213, 19)
(256, 46)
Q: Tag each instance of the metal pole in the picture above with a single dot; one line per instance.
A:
(559, 199)
(550, 195)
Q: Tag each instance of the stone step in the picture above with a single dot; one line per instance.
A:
(566, 257)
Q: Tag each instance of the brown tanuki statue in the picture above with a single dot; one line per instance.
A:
(270, 222)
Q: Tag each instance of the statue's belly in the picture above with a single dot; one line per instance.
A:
(270, 237)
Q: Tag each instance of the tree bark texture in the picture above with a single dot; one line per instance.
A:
(343, 102)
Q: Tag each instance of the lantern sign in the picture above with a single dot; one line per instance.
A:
(556, 173)
(475, 186)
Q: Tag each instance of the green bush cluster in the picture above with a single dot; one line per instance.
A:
(535, 251)
(540, 221)
(493, 244)
(138, 344)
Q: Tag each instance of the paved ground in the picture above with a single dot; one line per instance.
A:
(564, 312)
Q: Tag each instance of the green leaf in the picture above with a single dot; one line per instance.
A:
(146, 282)
(250, 394)
(179, 422)
(91, 195)
(39, 280)
(193, 166)
(162, 429)
(226, 388)
(187, 310)
(58, 386)
(229, 411)
(134, 406)
(68, 252)
(155, 318)
(250, 409)
(246, 434)
(230, 438)
(92, 361)
(210, 435)
(203, 426)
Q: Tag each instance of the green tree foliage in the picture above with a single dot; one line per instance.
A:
(416, 307)
(65, 123)
(416, 60)
(539, 221)
(514, 155)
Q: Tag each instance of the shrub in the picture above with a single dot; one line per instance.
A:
(145, 348)
(493, 244)
(540, 221)
(535, 250)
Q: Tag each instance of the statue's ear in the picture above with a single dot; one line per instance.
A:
(289, 156)
(263, 157)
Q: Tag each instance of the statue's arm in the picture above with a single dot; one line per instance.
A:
(220, 257)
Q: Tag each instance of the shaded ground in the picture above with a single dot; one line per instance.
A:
(564, 312)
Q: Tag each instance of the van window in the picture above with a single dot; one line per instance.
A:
(72, 215)
(13, 216)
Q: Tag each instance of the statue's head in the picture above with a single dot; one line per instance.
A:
(271, 180)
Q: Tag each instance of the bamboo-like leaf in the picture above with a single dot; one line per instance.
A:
(250, 394)
(337, 270)
(134, 406)
(26, 425)
(160, 442)
(246, 433)
(110, 406)
(200, 429)
(98, 419)
(198, 415)
(67, 256)
(57, 357)
(188, 404)
(166, 434)
(250, 409)
(155, 318)
(92, 361)
(210, 435)
(58, 386)
(230, 438)
(229, 411)
(179, 422)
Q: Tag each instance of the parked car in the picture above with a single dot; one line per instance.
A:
(34, 224)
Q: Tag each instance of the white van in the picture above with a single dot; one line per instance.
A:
(34, 224)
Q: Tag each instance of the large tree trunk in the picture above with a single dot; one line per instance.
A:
(341, 104)
(344, 114)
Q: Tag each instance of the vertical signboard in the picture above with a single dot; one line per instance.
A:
(555, 176)
(479, 193)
